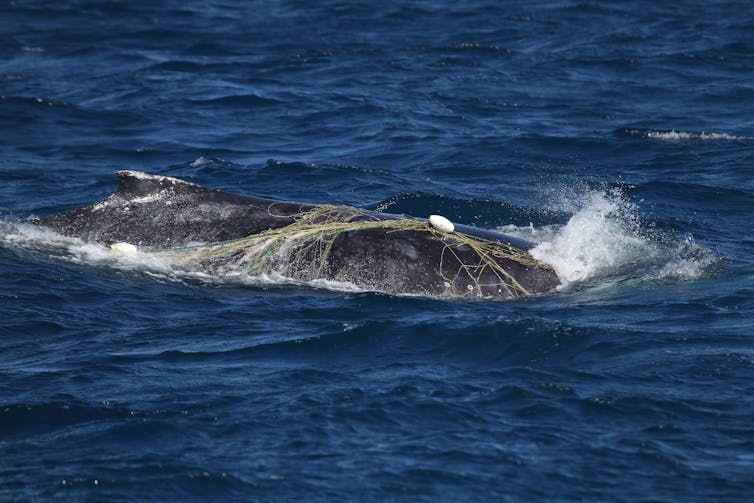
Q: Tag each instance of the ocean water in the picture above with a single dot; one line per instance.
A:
(618, 135)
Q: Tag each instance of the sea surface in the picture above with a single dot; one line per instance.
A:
(618, 135)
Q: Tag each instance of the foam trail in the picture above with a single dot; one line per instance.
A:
(36, 239)
(126, 257)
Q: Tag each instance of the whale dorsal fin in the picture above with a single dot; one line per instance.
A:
(132, 184)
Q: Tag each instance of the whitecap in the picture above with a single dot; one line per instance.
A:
(673, 135)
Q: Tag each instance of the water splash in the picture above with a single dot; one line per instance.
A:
(689, 261)
(602, 239)
(606, 240)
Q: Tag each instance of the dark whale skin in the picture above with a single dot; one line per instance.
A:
(160, 212)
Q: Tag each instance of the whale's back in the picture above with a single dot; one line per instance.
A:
(160, 211)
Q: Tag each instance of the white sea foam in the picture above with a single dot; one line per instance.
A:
(128, 257)
(49, 243)
(673, 135)
(601, 239)
(201, 161)
(688, 261)
(605, 239)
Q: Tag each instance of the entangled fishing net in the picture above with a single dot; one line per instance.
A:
(302, 250)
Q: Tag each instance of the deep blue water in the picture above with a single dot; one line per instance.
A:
(619, 134)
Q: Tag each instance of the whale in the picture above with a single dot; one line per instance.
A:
(217, 232)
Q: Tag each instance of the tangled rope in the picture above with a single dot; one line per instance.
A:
(306, 244)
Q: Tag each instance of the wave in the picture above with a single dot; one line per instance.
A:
(673, 135)
(249, 100)
(26, 418)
